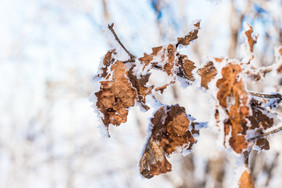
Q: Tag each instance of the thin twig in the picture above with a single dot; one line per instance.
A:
(273, 131)
(268, 96)
(132, 57)
(264, 134)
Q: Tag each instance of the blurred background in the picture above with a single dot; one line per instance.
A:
(49, 135)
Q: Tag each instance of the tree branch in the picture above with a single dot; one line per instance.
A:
(192, 35)
(132, 57)
(272, 99)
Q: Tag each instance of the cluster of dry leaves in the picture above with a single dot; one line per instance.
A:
(243, 116)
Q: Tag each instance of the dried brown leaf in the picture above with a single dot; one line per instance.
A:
(107, 61)
(170, 130)
(140, 86)
(251, 40)
(254, 74)
(148, 58)
(238, 143)
(246, 180)
(170, 53)
(162, 88)
(162, 57)
(186, 66)
(116, 95)
(207, 73)
(153, 161)
(233, 96)
(259, 119)
(219, 60)
(192, 35)
(263, 143)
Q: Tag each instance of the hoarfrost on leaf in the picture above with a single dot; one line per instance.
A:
(166, 137)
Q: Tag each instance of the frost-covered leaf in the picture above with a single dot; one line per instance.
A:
(148, 58)
(153, 161)
(260, 117)
(186, 67)
(254, 74)
(250, 39)
(163, 57)
(168, 57)
(243, 112)
(116, 95)
(207, 73)
(244, 116)
(246, 180)
(192, 35)
(233, 97)
(262, 143)
(140, 86)
(219, 60)
(107, 61)
(162, 88)
(171, 130)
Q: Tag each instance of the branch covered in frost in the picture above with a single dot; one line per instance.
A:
(265, 134)
(245, 117)
(277, 96)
